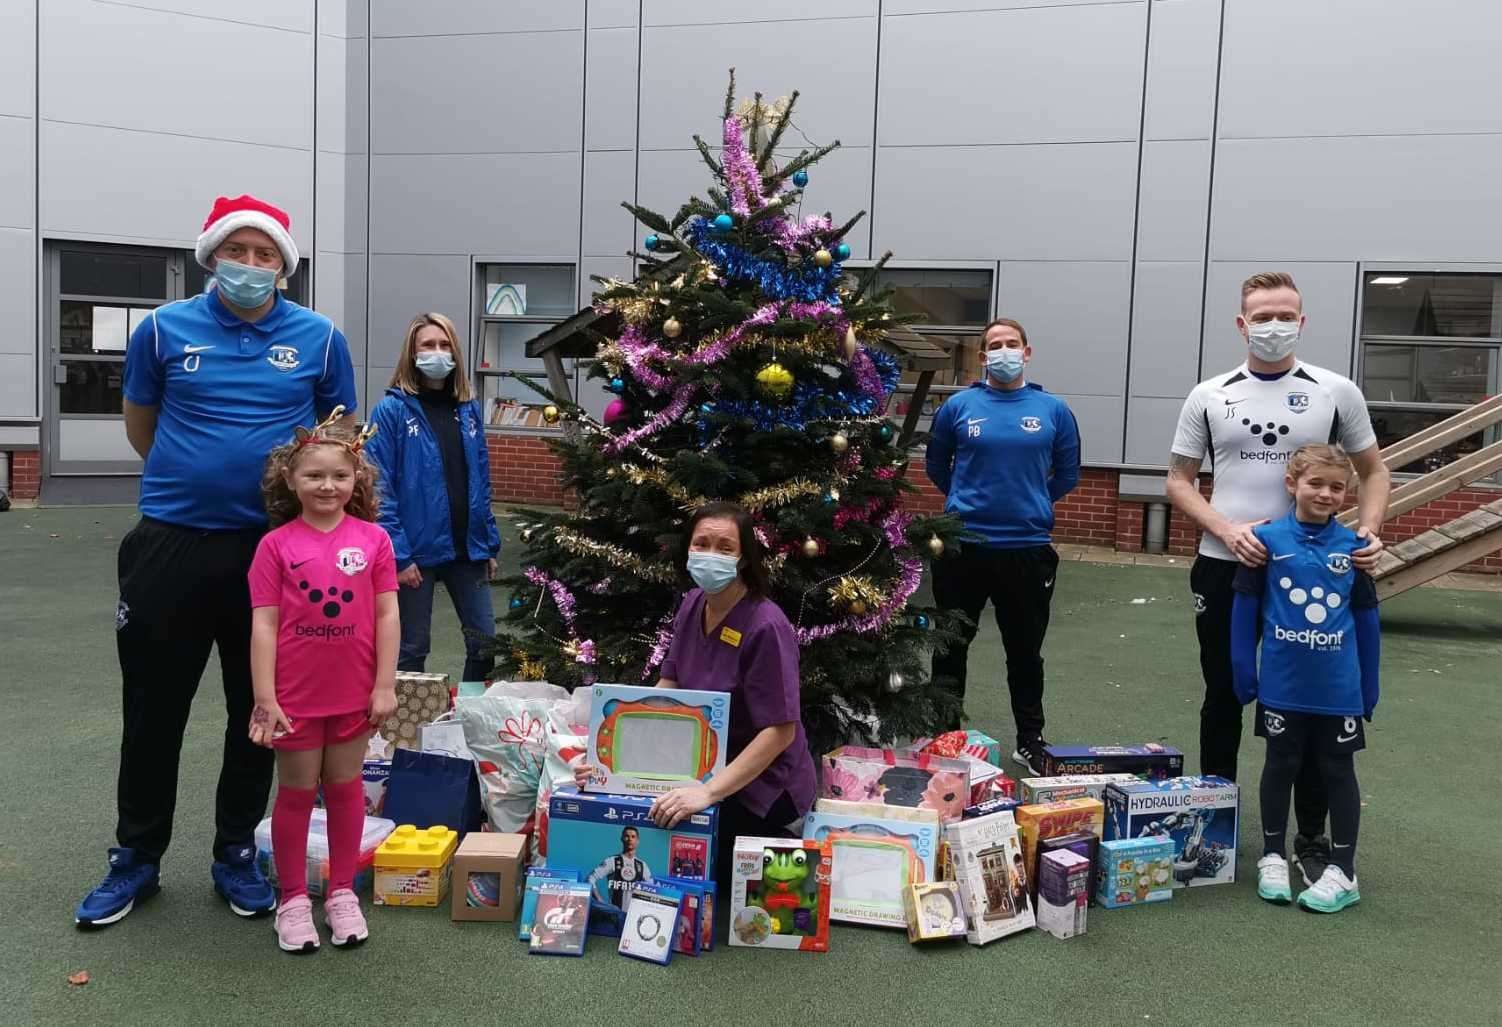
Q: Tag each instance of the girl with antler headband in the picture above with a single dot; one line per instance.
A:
(323, 662)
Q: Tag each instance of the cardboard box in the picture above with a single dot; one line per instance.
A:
(1051, 819)
(488, 876)
(1083, 843)
(779, 894)
(1134, 871)
(612, 843)
(1063, 893)
(896, 778)
(998, 804)
(987, 859)
(1150, 760)
(1200, 814)
(935, 911)
(1038, 790)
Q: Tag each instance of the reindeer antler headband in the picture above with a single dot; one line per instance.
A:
(319, 433)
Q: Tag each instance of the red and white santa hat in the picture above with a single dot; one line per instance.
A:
(231, 215)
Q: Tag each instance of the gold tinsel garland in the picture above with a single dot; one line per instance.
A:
(779, 495)
(855, 589)
(615, 556)
(528, 669)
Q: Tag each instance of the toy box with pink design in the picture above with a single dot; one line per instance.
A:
(895, 778)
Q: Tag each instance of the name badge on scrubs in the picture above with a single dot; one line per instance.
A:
(730, 636)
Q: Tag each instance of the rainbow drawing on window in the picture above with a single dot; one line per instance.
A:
(502, 299)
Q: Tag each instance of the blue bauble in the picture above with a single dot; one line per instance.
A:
(517, 602)
(921, 621)
(650, 242)
(842, 252)
(706, 408)
(723, 222)
(617, 385)
(800, 178)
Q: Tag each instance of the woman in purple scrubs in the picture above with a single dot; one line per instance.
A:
(728, 636)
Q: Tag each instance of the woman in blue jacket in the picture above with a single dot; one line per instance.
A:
(435, 491)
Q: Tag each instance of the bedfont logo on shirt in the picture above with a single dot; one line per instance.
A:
(1316, 604)
(1031, 424)
(284, 358)
(1269, 434)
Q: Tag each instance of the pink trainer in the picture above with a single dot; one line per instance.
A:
(341, 911)
(294, 925)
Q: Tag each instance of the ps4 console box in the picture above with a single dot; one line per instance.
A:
(1200, 814)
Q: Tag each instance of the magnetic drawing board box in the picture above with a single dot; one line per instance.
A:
(916, 814)
(646, 741)
(872, 861)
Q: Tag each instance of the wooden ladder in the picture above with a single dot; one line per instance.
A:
(1456, 543)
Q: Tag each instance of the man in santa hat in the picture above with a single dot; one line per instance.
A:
(212, 384)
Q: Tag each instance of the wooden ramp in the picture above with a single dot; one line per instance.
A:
(1456, 543)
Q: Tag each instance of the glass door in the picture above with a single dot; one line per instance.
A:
(97, 295)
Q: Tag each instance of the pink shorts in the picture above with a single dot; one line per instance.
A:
(318, 732)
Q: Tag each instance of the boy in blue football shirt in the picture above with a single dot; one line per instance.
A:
(1317, 618)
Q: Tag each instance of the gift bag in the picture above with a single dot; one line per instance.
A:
(567, 743)
(506, 729)
(426, 789)
(860, 774)
(420, 699)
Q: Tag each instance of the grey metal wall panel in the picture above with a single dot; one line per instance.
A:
(609, 178)
(332, 213)
(296, 15)
(459, 17)
(1099, 420)
(1408, 198)
(355, 204)
(1150, 426)
(136, 201)
(150, 72)
(1166, 328)
(508, 93)
(509, 203)
(612, 14)
(1076, 320)
(1043, 202)
(1181, 69)
(696, 12)
(18, 292)
(901, 7)
(1052, 74)
(406, 285)
(18, 384)
(357, 92)
(18, 58)
(346, 18)
(331, 103)
(1173, 200)
(1346, 67)
(17, 174)
(610, 89)
(687, 76)
(1329, 291)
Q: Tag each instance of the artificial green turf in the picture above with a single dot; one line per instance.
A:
(1421, 947)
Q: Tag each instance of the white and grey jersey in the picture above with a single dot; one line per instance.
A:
(1249, 427)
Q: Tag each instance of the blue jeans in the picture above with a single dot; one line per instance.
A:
(468, 586)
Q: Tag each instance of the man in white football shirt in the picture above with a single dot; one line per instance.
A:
(1249, 420)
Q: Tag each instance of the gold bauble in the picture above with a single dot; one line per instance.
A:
(839, 442)
(851, 344)
(834, 495)
(935, 545)
(810, 548)
(775, 380)
(823, 257)
(857, 606)
(550, 414)
(672, 328)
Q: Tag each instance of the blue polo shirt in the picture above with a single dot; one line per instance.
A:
(228, 392)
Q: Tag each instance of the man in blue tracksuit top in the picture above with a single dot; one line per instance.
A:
(1003, 452)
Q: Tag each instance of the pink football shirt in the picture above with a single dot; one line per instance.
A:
(325, 585)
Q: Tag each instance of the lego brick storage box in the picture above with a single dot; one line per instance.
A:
(1200, 814)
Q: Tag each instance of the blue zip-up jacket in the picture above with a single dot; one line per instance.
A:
(415, 511)
(1003, 458)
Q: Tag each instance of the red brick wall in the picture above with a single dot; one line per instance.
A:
(25, 474)
(524, 470)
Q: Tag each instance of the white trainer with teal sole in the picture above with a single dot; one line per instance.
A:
(1272, 879)
(1333, 892)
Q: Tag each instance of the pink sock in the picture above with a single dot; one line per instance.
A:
(345, 803)
(289, 838)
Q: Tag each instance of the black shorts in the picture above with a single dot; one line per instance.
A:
(1311, 732)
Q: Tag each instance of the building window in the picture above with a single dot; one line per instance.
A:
(1430, 343)
(954, 306)
(517, 303)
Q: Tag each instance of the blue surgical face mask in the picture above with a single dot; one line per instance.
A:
(1005, 364)
(713, 572)
(245, 286)
(435, 365)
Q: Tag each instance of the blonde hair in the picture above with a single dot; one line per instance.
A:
(406, 376)
(281, 502)
(1267, 280)
(1306, 458)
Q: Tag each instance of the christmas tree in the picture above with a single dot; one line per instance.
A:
(748, 366)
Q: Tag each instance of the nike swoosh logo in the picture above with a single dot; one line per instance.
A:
(298, 564)
(975, 420)
(1047, 583)
(1342, 739)
(1284, 556)
(196, 349)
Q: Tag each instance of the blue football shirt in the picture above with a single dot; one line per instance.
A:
(1309, 589)
(228, 392)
